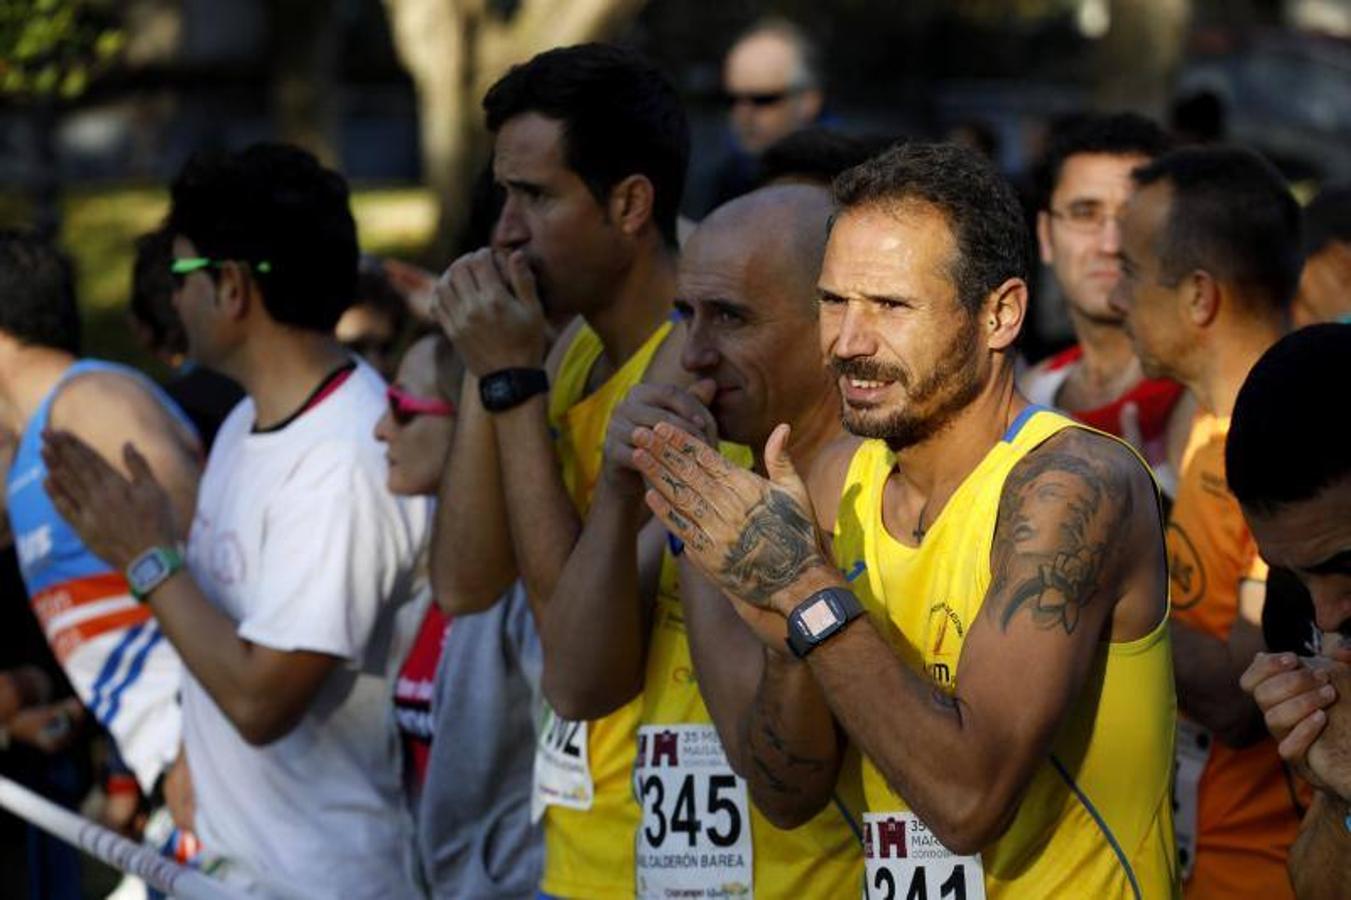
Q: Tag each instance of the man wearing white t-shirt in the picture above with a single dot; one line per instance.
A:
(298, 560)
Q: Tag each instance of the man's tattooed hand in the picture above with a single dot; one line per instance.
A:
(776, 545)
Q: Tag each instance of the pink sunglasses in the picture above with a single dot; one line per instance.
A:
(404, 407)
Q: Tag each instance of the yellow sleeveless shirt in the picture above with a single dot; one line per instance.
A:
(590, 854)
(714, 851)
(1096, 819)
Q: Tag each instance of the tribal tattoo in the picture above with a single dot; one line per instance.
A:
(1061, 510)
(775, 547)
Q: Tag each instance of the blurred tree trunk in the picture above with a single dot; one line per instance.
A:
(306, 37)
(454, 50)
(1139, 56)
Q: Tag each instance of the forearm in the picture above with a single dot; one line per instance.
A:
(729, 660)
(1320, 859)
(787, 749)
(593, 627)
(543, 523)
(472, 560)
(1207, 671)
(920, 738)
(207, 642)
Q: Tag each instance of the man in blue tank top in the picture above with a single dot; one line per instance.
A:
(109, 646)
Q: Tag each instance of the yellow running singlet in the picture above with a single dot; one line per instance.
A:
(1096, 819)
(700, 836)
(588, 832)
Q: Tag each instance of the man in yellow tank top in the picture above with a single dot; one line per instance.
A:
(993, 641)
(591, 149)
(1210, 261)
(746, 288)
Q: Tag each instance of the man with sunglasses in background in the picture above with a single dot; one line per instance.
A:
(771, 84)
(1098, 379)
(286, 604)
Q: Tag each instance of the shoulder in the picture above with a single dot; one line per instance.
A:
(117, 403)
(666, 367)
(1097, 459)
(559, 349)
(826, 478)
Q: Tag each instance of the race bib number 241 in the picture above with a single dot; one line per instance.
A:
(904, 861)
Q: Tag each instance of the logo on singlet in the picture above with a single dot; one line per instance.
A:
(33, 545)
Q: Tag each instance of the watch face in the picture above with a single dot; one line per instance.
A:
(818, 618)
(499, 390)
(147, 569)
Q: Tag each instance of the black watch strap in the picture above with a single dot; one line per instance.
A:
(507, 388)
(822, 615)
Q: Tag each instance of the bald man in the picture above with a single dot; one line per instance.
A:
(627, 620)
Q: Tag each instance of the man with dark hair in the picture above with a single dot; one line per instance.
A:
(1098, 380)
(591, 146)
(1210, 258)
(206, 396)
(1301, 518)
(815, 156)
(298, 560)
(976, 536)
(110, 648)
(1325, 285)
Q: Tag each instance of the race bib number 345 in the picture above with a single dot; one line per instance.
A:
(694, 839)
(904, 861)
(562, 771)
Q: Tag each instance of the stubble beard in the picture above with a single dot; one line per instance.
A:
(932, 400)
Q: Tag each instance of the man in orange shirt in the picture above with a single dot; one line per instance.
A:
(1210, 260)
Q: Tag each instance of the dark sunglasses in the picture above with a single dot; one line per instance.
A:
(760, 100)
(405, 407)
(182, 267)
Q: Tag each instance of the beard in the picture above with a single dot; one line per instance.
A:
(933, 399)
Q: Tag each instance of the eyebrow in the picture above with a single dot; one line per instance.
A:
(825, 294)
(1335, 564)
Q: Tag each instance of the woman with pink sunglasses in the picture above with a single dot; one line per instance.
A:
(465, 695)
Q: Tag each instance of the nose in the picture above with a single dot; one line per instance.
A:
(699, 355)
(510, 231)
(385, 428)
(848, 333)
(1109, 236)
(1331, 602)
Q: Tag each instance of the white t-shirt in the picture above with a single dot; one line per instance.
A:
(298, 541)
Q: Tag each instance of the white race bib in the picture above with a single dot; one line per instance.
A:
(694, 838)
(562, 770)
(1193, 752)
(904, 861)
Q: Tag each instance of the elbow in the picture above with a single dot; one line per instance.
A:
(457, 597)
(968, 820)
(260, 725)
(786, 817)
(576, 702)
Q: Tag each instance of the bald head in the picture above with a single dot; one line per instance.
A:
(775, 237)
(747, 286)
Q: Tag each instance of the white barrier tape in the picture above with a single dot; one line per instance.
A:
(143, 862)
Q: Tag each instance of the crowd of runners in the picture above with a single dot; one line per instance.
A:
(745, 557)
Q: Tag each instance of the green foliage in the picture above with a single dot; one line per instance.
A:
(52, 49)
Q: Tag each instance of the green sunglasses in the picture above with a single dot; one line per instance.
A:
(189, 264)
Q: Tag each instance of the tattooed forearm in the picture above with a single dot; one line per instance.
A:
(779, 767)
(774, 548)
(1061, 510)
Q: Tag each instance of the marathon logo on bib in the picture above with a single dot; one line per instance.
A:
(562, 769)
(903, 860)
(694, 838)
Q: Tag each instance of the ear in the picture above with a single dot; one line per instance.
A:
(812, 102)
(1203, 296)
(1044, 236)
(235, 291)
(1001, 318)
(631, 204)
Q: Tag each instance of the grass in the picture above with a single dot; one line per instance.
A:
(100, 224)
